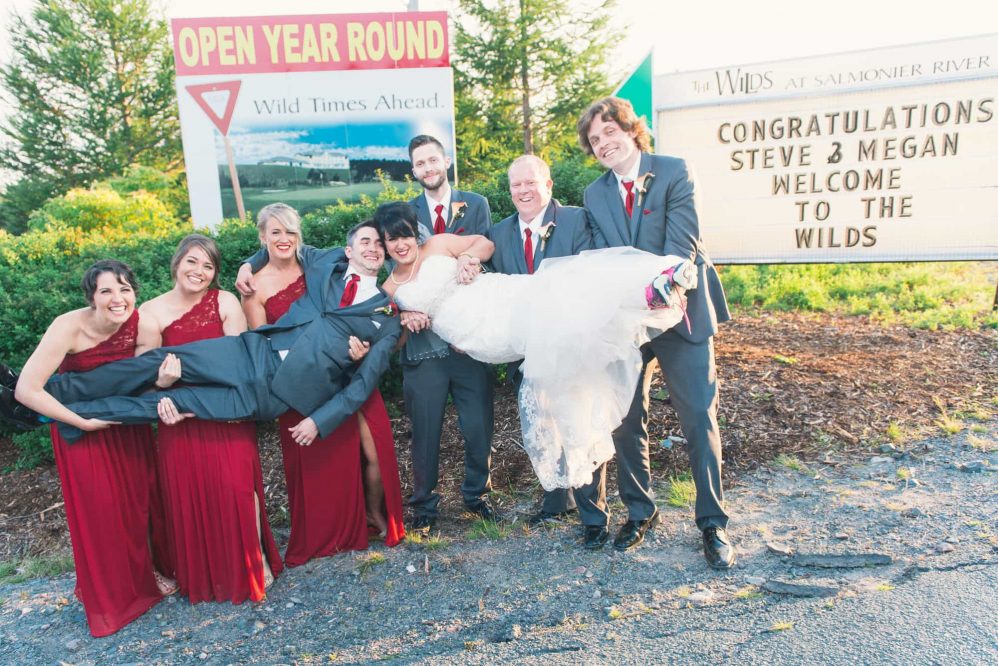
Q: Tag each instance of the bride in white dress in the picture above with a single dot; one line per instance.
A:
(577, 323)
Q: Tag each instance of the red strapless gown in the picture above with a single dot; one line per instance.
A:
(109, 487)
(209, 473)
(325, 479)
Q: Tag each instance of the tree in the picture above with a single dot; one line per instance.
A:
(92, 87)
(524, 71)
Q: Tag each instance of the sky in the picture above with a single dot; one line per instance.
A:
(687, 35)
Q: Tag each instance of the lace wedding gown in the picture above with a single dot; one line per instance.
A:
(577, 323)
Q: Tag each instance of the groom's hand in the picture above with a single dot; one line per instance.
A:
(305, 432)
(358, 348)
(414, 321)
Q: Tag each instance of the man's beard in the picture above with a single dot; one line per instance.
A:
(431, 185)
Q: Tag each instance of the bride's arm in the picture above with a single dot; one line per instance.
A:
(470, 252)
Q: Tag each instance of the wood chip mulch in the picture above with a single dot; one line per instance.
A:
(795, 384)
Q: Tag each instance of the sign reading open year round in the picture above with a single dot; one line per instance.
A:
(306, 109)
(885, 155)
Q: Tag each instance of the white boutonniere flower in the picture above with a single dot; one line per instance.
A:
(643, 183)
(545, 233)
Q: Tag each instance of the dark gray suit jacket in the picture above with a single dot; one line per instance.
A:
(475, 218)
(317, 377)
(571, 234)
(663, 222)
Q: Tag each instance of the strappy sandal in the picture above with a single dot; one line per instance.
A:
(167, 586)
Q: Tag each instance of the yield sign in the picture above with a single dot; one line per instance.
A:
(221, 121)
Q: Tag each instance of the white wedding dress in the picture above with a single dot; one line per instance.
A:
(577, 323)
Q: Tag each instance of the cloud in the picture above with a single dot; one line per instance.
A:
(253, 147)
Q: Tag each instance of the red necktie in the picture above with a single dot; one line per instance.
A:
(528, 252)
(350, 292)
(438, 224)
(629, 199)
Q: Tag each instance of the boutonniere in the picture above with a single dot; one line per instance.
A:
(389, 310)
(545, 233)
(643, 183)
(457, 211)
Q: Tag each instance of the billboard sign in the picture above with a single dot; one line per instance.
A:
(886, 155)
(306, 109)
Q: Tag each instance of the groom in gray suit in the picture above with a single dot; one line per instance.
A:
(647, 201)
(302, 361)
(431, 370)
(542, 228)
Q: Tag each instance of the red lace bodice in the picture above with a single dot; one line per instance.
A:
(120, 345)
(199, 323)
(278, 304)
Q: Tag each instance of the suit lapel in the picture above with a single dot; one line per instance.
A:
(422, 211)
(637, 215)
(455, 197)
(550, 216)
(515, 242)
(614, 207)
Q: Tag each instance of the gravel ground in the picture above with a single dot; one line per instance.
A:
(536, 597)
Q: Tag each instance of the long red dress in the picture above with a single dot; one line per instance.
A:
(109, 488)
(209, 473)
(325, 479)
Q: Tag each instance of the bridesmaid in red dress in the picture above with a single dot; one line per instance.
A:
(109, 476)
(209, 473)
(346, 486)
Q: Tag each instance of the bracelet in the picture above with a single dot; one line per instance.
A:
(467, 254)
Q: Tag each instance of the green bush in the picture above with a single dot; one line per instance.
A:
(40, 270)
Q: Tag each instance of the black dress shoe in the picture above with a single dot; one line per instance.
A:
(423, 524)
(542, 517)
(8, 377)
(718, 549)
(14, 413)
(632, 532)
(596, 537)
(485, 511)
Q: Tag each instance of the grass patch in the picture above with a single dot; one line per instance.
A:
(785, 360)
(35, 567)
(748, 592)
(947, 423)
(368, 562)
(615, 613)
(683, 592)
(790, 462)
(982, 444)
(781, 626)
(682, 492)
(432, 541)
(884, 587)
(894, 432)
(904, 473)
(488, 529)
(929, 295)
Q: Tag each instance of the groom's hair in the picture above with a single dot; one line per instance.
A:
(396, 219)
(353, 232)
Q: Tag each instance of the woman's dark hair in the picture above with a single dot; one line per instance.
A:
(120, 270)
(396, 219)
(207, 245)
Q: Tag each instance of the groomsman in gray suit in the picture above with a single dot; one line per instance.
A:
(431, 370)
(647, 201)
(302, 361)
(542, 228)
